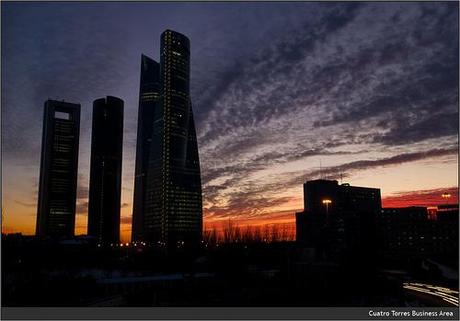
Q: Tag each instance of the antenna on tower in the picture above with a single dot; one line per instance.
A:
(320, 169)
(341, 177)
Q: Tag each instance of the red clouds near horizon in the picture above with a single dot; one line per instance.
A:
(421, 198)
(424, 198)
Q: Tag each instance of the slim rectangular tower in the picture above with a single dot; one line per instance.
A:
(105, 172)
(58, 170)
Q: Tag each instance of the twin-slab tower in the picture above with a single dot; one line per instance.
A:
(167, 206)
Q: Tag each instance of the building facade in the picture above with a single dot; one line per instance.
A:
(411, 233)
(338, 220)
(149, 102)
(105, 170)
(172, 201)
(58, 170)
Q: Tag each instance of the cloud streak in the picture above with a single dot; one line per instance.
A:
(421, 198)
(344, 84)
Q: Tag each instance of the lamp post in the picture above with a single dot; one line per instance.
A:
(327, 202)
(326, 228)
(446, 196)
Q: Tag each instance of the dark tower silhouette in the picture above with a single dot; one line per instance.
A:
(105, 172)
(339, 220)
(172, 201)
(58, 170)
(149, 101)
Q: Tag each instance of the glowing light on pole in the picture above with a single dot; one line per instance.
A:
(327, 202)
(446, 196)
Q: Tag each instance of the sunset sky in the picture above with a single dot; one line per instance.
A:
(366, 91)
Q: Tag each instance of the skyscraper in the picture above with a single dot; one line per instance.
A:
(105, 171)
(149, 101)
(172, 209)
(58, 170)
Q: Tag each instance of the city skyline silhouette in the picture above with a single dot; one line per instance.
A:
(269, 106)
(265, 156)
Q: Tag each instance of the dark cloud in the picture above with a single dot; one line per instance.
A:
(350, 77)
(434, 126)
(347, 168)
(427, 63)
(385, 76)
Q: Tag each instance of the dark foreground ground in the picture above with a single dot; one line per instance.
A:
(258, 274)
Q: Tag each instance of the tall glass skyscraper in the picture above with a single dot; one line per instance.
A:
(149, 101)
(105, 170)
(58, 170)
(172, 202)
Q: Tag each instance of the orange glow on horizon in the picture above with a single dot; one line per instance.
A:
(426, 198)
(283, 216)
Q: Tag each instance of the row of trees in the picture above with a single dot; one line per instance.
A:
(233, 233)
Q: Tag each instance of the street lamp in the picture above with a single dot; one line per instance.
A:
(446, 196)
(327, 202)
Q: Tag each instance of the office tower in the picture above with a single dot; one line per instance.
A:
(58, 170)
(409, 233)
(338, 219)
(445, 231)
(149, 94)
(172, 209)
(404, 231)
(105, 170)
